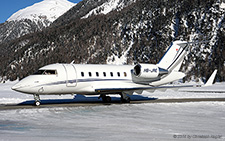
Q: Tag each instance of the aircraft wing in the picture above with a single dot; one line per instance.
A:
(115, 89)
(139, 89)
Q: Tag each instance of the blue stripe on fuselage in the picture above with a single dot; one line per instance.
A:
(83, 80)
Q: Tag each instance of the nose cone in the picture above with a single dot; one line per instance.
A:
(28, 85)
(17, 86)
(22, 86)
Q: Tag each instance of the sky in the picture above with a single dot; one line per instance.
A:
(8, 7)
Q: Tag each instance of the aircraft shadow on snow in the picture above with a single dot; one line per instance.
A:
(84, 99)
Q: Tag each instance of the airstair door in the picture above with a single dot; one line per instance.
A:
(71, 75)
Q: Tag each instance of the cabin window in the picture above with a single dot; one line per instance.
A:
(46, 72)
(90, 74)
(104, 74)
(111, 73)
(97, 74)
(82, 74)
(50, 72)
(39, 72)
(118, 73)
(125, 74)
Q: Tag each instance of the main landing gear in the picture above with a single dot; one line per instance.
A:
(107, 99)
(124, 98)
(37, 100)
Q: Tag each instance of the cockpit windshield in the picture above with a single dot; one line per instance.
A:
(45, 72)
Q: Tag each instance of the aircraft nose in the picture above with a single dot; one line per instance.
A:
(26, 85)
(19, 87)
(16, 87)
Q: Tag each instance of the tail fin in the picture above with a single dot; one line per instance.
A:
(174, 56)
(211, 79)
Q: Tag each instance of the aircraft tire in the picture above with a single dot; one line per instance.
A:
(106, 99)
(37, 103)
(126, 100)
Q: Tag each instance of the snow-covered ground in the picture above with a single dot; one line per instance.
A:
(8, 96)
(149, 121)
(116, 122)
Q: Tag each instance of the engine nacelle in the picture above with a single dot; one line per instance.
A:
(148, 71)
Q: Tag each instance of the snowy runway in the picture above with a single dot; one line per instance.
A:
(114, 122)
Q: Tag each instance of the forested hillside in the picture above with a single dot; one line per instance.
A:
(133, 32)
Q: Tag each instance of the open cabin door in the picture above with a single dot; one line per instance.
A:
(71, 75)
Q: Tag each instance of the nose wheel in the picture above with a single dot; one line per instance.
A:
(37, 103)
(37, 100)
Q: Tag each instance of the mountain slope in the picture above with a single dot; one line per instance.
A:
(109, 6)
(45, 10)
(91, 7)
(14, 29)
(33, 18)
(138, 32)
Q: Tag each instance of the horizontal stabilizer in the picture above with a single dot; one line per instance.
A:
(211, 79)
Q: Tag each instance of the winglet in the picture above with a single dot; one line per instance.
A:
(72, 62)
(211, 79)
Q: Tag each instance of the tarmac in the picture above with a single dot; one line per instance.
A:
(50, 104)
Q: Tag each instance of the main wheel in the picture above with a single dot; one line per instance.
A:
(106, 99)
(127, 100)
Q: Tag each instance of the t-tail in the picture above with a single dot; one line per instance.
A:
(174, 56)
(166, 71)
(171, 61)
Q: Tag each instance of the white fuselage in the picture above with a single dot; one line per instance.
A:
(76, 79)
(80, 79)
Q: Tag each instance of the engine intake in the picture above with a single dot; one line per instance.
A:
(148, 71)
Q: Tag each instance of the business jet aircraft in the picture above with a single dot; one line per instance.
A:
(58, 79)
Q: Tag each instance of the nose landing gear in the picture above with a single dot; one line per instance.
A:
(37, 100)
